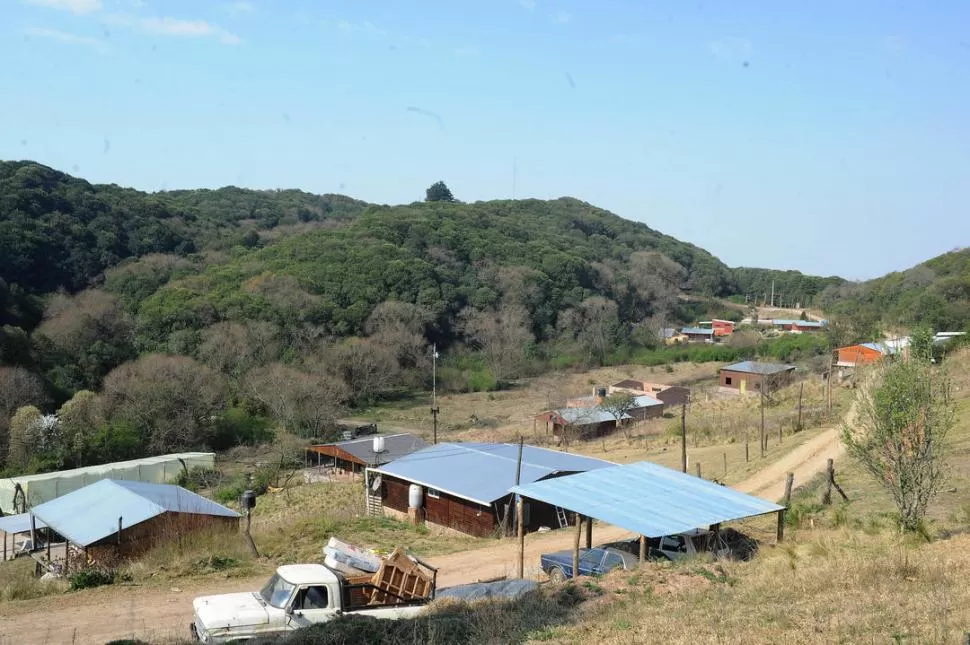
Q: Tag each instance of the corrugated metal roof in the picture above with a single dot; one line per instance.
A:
(879, 347)
(647, 499)
(585, 416)
(754, 367)
(697, 330)
(91, 513)
(483, 472)
(645, 401)
(395, 447)
(19, 523)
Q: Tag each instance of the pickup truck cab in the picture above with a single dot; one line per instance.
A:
(298, 595)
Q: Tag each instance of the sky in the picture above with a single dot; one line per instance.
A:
(821, 135)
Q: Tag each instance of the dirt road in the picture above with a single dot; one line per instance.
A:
(805, 462)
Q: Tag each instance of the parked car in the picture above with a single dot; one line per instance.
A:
(675, 547)
(596, 561)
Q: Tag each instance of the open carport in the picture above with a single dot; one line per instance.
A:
(646, 499)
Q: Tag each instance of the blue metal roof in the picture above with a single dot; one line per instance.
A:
(90, 514)
(753, 367)
(483, 472)
(647, 499)
(19, 523)
(645, 401)
(697, 330)
(879, 347)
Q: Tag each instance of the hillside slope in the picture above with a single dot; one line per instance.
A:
(935, 293)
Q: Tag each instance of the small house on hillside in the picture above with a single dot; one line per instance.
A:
(114, 519)
(698, 334)
(673, 336)
(751, 375)
(670, 395)
(465, 486)
(357, 454)
(579, 423)
(861, 354)
(722, 327)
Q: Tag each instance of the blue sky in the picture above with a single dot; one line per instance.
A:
(826, 136)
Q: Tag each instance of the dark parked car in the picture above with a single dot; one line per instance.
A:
(674, 547)
(596, 561)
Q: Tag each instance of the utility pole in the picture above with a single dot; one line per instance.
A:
(772, 293)
(434, 392)
(763, 439)
(683, 437)
(520, 512)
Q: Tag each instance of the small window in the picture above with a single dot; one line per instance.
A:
(727, 380)
(613, 561)
(311, 598)
(433, 493)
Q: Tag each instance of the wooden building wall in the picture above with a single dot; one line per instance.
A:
(166, 527)
(445, 510)
(858, 355)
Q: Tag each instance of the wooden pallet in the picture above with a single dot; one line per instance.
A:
(402, 577)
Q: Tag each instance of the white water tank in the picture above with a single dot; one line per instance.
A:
(378, 444)
(415, 493)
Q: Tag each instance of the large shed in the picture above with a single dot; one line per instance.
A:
(465, 486)
(357, 454)
(751, 375)
(579, 422)
(111, 519)
(647, 499)
(37, 489)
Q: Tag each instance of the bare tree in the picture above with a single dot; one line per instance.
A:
(18, 387)
(619, 405)
(306, 404)
(401, 328)
(171, 400)
(91, 330)
(594, 324)
(234, 348)
(502, 335)
(80, 418)
(368, 368)
(904, 411)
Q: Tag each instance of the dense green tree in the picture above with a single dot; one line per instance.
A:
(438, 192)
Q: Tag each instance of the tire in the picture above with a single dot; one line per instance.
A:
(557, 575)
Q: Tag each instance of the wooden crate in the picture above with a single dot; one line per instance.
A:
(401, 576)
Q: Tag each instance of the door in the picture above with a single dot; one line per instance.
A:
(744, 385)
(310, 605)
(590, 563)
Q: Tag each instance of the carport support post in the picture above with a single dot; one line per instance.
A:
(589, 532)
(33, 532)
(520, 522)
(643, 549)
(683, 438)
(781, 526)
(579, 533)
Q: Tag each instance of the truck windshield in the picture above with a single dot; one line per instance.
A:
(277, 592)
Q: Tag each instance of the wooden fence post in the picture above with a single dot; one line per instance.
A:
(698, 464)
(801, 390)
(724, 454)
(789, 481)
(643, 549)
(746, 455)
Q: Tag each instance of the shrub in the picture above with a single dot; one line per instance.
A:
(88, 578)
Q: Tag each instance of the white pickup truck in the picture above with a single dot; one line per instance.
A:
(297, 596)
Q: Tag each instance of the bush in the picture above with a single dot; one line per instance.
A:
(237, 426)
(88, 578)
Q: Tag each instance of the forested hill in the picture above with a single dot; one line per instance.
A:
(61, 232)
(934, 293)
(548, 257)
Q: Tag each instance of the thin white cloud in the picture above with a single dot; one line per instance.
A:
(528, 5)
(76, 7)
(732, 49)
(242, 7)
(365, 27)
(174, 27)
(563, 17)
(66, 37)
